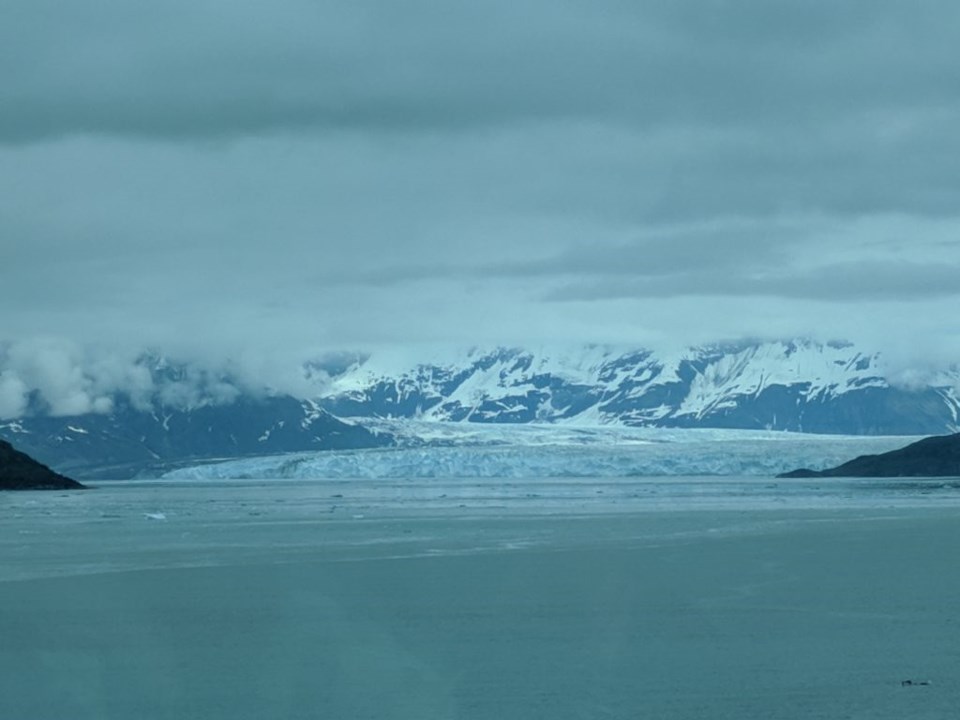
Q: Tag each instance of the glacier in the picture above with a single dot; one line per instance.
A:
(798, 386)
(462, 450)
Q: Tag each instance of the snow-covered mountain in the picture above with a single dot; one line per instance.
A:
(796, 386)
(181, 413)
(129, 440)
(187, 414)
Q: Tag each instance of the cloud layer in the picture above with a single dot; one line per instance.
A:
(230, 180)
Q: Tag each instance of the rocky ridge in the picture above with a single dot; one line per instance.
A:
(18, 471)
(931, 457)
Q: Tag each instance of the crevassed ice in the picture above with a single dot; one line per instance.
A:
(473, 456)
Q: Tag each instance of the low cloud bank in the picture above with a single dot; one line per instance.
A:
(48, 376)
(57, 377)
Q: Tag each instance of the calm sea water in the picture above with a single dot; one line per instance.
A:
(663, 598)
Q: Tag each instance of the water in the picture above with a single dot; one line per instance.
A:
(689, 598)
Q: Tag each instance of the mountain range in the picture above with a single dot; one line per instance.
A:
(130, 440)
(792, 386)
(796, 386)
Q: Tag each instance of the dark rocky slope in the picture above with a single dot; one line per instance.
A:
(128, 441)
(931, 457)
(19, 471)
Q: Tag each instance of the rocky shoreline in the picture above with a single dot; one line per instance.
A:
(937, 456)
(18, 471)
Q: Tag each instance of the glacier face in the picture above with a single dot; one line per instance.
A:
(433, 450)
(796, 386)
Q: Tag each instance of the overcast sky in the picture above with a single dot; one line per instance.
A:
(216, 177)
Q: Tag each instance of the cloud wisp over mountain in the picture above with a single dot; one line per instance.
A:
(268, 180)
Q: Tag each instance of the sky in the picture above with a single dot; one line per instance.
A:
(263, 181)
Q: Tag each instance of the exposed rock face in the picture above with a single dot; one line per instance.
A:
(931, 457)
(21, 472)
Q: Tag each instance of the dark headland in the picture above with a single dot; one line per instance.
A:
(19, 471)
(931, 457)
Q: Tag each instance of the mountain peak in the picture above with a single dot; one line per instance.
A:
(799, 385)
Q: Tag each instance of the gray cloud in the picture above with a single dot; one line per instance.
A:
(58, 371)
(13, 395)
(260, 183)
(64, 378)
(805, 259)
(842, 282)
(208, 68)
